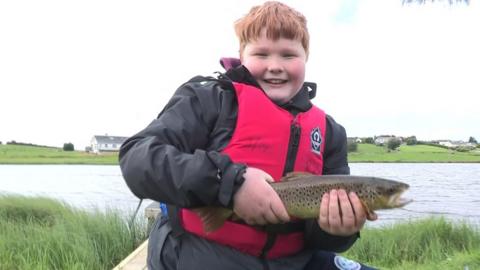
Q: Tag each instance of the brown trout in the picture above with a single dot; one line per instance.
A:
(302, 193)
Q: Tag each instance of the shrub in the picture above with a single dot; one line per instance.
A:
(432, 144)
(412, 140)
(393, 144)
(352, 146)
(68, 147)
(369, 140)
(464, 148)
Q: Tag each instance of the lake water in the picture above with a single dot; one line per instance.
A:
(450, 190)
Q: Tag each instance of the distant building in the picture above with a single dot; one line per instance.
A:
(354, 140)
(456, 144)
(106, 143)
(448, 143)
(383, 139)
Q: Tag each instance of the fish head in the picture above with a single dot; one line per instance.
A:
(388, 194)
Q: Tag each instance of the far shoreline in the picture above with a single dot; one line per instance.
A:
(365, 153)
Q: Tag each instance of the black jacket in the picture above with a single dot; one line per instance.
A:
(176, 159)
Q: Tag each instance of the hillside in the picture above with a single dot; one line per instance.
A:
(20, 154)
(411, 153)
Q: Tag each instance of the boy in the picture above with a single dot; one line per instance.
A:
(219, 141)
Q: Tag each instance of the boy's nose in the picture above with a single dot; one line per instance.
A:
(275, 66)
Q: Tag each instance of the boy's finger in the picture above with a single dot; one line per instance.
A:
(334, 219)
(360, 213)
(278, 209)
(323, 215)
(348, 218)
(271, 218)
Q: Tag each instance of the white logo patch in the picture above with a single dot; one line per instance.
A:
(343, 263)
(316, 140)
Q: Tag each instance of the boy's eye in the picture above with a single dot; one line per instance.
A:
(260, 54)
(289, 55)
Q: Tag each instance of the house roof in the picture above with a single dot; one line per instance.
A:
(101, 139)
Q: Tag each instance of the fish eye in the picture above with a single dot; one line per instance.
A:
(391, 190)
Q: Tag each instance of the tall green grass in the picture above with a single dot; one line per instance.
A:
(433, 243)
(42, 233)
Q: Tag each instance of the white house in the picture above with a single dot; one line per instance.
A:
(106, 143)
(383, 139)
(448, 144)
(455, 144)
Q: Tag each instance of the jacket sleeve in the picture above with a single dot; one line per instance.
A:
(170, 160)
(335, 162)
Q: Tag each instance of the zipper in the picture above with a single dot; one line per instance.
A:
(293, 144)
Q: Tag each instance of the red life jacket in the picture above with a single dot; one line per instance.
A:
(261, 140)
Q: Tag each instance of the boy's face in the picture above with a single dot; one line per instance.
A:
(278, 66)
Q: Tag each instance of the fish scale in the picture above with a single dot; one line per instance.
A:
(301, 194)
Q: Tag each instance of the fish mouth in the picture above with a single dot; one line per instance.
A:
(396, 200)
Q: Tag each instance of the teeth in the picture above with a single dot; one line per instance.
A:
(275, 81)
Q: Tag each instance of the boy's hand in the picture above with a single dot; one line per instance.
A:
(256, 202)
(342, 214)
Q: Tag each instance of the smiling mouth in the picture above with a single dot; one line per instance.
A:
(275, 81)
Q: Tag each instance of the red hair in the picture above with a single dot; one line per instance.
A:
(279, 20)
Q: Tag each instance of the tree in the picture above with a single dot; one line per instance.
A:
(352, 146)
(472, 140)
(393, 143)
(369, 140)
(68, 147)
(412, 140)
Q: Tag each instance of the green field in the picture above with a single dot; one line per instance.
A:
(20, 154)
(411, 153)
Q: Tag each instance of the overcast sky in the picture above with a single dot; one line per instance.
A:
(73, 69)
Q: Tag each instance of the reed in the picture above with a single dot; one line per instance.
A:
(42, 233)
(432, 243)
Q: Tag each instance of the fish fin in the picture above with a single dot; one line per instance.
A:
(292, 176)
(370, 213)
(213, 217)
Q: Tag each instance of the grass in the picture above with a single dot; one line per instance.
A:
(411, 153)
(42, 233)
(21, 154)
(432, 243)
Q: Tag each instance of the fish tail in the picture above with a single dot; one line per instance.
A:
(213, 217)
